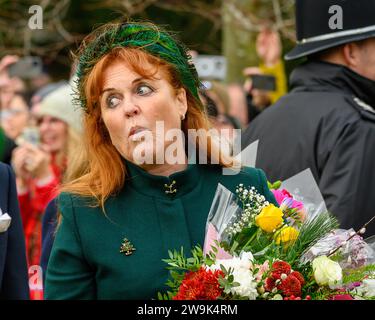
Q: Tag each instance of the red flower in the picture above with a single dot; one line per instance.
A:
(299, 277)
(269, 284)
(200, 285)
(280, 267)
(291, 286)
(342, 297)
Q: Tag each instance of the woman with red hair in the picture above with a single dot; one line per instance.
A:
(141, 195)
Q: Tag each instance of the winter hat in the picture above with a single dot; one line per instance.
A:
(59, 104)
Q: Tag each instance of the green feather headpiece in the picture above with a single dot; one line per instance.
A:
(147, 36)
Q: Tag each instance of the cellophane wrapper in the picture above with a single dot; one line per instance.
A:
(353, 254)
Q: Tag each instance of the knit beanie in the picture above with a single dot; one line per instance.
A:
(59, 104)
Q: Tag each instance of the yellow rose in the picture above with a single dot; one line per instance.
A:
(287, 235)
(270, 218)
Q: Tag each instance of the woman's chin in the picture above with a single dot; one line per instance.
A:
(143, 153)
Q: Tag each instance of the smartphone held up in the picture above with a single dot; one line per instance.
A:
(27, 67)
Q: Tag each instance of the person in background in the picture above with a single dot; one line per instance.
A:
(238, 104)
(327, 121)
(43, 92)
(7, 146)
(9, 85)
(39, 168)
(269, 51)
(13, 267)
(218, 120)
(15, 116)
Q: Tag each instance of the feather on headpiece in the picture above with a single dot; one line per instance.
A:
(147, 36)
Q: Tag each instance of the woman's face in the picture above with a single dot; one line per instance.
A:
(15, 117)
(53, 133)
(131, 106)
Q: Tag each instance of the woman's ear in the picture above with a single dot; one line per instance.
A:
(182, 102)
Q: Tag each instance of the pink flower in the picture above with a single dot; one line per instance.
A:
(263, 268)
(280, 195)
(284, 198)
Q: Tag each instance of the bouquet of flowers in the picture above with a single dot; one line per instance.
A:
(256, 250)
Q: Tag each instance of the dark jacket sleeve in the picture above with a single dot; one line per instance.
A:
(15, 276)
(49, 224)
(347, 181)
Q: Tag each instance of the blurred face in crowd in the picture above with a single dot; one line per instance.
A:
(132, 104)
(223, 125)
(14, 117)
(219, 104)
(53, 133)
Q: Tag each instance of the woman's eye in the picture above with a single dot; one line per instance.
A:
(144, 90)
(112, 101)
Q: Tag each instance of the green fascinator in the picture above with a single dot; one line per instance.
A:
(147, 36)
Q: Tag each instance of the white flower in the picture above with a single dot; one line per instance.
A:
(248, 285)
(241, 271)
(367, 289)
(326, 271)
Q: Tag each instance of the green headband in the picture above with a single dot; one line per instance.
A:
(146, 36)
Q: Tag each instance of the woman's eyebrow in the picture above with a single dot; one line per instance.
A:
(107, 89)
(134, 81)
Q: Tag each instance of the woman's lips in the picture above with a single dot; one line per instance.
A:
(136, 133)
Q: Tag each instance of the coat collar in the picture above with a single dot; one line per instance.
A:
(329, 77)
(172, 187)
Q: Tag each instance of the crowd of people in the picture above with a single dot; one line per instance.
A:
(66, 142)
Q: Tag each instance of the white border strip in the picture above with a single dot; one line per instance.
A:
(336, 34)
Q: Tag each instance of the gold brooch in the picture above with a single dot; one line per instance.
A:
(127, 247)
(170, 187)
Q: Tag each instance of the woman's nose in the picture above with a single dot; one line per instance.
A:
(131, 109)
(44, 126)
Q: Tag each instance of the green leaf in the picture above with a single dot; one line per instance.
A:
(170, 254)
(223, 269)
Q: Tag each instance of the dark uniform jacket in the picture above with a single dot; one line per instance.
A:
(326, 123)
(13, 268)
(86, 262)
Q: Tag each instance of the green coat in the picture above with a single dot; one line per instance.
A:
(85, 262)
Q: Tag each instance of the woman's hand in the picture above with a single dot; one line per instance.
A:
(18, 161)
(268, 46)
(38, 161)
(248, 72)
(4, 64)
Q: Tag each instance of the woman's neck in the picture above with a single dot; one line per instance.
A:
(165, 169)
